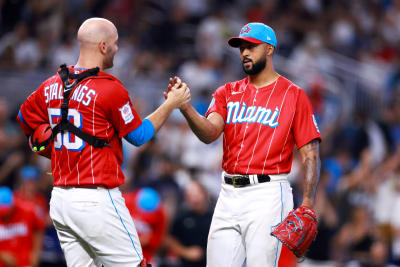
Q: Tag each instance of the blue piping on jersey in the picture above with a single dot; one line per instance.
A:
(21, 118)
(277, 246)
(130, 237)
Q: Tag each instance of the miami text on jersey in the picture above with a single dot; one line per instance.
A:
(13, 231)
(239, 113)
(81, 94)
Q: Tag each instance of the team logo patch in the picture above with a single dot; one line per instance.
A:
(315, 122)
(126, 113)
(245, 29)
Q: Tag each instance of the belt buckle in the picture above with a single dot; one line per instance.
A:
(234, 182)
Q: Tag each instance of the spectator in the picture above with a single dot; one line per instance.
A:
(188, 236)
(150, 218)
(10, 156)
(28, 190)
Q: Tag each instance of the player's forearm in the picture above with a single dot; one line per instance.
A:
(160, 115)
(37, 247)
(200, 125)
(7, 259)
(312, 166)
(174, 245)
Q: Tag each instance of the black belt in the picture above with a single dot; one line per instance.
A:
(243, 180)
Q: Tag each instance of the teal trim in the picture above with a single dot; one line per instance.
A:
(130, 237)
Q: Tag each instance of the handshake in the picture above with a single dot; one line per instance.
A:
(177, 93)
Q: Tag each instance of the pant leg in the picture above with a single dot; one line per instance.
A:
(267, 205)
(119, 243)
(225, 245)
(99, 219)
(76, 253)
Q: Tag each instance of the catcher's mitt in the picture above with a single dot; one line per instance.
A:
(298, 230)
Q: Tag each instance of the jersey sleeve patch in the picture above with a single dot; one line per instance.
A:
(126, 113)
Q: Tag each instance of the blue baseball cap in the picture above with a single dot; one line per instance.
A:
(254, 32)
(148, 199)
(6, 199)
(30, 172)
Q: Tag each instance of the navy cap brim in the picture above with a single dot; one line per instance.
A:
(235, 41)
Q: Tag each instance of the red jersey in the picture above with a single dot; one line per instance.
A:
(151, 226)
(99, 106)
(38, 200)
(16, 233)
(263, 125)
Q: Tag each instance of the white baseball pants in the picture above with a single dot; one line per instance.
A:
(242, 223)
(94, 227)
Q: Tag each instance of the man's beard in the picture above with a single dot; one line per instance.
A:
(108, 63)
(257, 67)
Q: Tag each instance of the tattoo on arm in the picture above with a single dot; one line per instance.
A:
(312, 165)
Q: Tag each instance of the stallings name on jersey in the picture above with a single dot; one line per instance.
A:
(239, 112)
(81, 94)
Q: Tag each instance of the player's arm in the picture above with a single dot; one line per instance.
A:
(312, 165)
(141, 134)
(8, 259)
(191, 253)
(37, 247)
(178, 95)
(206, 129)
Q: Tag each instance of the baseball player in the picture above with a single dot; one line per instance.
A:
(262, 117)
(150, 218)
(90, 111)
(21, 231)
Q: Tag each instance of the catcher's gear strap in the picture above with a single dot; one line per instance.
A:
(65, 124)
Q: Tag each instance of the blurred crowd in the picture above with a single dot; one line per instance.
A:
(345, 54)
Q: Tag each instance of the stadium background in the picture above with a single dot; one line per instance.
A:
(345, 54)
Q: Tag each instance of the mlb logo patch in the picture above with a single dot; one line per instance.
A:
(245, 29)
(126, 113)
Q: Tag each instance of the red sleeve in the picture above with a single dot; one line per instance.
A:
(218, 102)
(120, 111)
(305, 128)
(33, 112)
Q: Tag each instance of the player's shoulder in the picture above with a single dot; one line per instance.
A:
(285, 83)
(108, 86)
(237, 85)
(50, 80)
(106, 78)
(234, 86)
